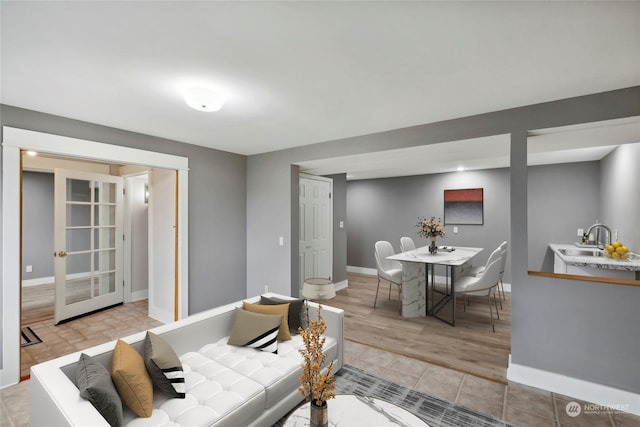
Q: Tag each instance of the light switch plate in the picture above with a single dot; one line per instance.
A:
(580, 232)
(455, 230)
(281, 241)
(341, 224)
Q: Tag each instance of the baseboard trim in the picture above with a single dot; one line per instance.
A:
(362, 270)
(599, 394)
(341, 285)
(38, 281)
(139, 295)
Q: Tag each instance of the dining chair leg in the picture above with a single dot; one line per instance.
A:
(495, 302)
(502, 289)
(500, 294)
(400, 299)
(465, 303)
(377, 289)
(491, 313)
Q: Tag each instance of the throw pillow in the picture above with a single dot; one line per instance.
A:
(164, 366)
(281, 309)
(95, 385)
(259, 331)
(132, 380)
(296, 317)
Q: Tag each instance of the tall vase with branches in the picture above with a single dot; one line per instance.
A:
(317, 386)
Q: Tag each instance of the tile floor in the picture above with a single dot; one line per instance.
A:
(516, 404)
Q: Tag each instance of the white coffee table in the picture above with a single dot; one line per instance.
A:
(349, 410)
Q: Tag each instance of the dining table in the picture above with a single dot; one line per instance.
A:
(421, 293)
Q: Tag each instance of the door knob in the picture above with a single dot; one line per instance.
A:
(61, 254)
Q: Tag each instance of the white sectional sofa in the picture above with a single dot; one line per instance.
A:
(225, 385)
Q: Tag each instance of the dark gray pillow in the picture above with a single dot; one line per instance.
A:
(297, 317)
(95, 385)
(164, 366)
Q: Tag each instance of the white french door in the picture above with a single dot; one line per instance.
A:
(88, 242)
(316, 232)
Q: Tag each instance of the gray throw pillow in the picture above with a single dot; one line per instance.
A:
(297, 317)
(164, 366)
(256, 330)
(95, 385)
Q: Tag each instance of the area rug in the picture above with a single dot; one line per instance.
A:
(435, 412)
(28, 337)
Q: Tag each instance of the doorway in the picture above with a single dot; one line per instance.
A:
(87, 229)
(17, 140)
(316, 227)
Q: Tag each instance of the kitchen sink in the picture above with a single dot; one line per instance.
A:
(581, 252)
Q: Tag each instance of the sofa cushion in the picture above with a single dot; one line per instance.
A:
(280, 309)
(95, 385)
(132, 380)
(214, 395)
(296, 318)
(255, 330)
(277, 373)
(163, 366)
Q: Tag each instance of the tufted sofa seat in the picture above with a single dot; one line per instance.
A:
(225, 385)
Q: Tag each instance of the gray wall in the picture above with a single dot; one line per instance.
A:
(562, 198)
(217, 202)
(620, 194)
(387, 209)
(340, 235)
(544, 335)
(37, 225)
(139, 212)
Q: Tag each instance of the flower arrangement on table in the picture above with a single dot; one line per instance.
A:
(430, 228)
(317, 386)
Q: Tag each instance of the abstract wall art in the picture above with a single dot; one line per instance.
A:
(464, 206)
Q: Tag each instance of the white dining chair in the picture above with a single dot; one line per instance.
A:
(503, 265)
(406, 244)
(501, 252)
(388, 270)
(484, 284)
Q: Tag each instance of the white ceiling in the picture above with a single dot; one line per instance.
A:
(298, 73)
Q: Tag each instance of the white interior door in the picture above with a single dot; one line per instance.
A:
(316, 230)
(88, 242)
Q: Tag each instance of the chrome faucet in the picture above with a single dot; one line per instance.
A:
(597, 227)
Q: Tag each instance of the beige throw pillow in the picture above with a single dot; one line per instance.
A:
(255, 330)
(132, 380)
(279, 309)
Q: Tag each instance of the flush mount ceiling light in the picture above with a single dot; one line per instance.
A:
(203, 98)
(460, 168)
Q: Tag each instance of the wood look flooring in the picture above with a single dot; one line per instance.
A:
(470, 347)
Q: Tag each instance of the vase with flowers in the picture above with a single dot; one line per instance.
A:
(317, 386)
(431, 228)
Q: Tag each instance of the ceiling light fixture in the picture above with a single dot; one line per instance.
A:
(32, 153)
(203, 98)
(460, 168)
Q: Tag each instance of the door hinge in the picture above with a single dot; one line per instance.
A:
(124, 191)
(329, 195)
(123, 237)
(123, 283)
